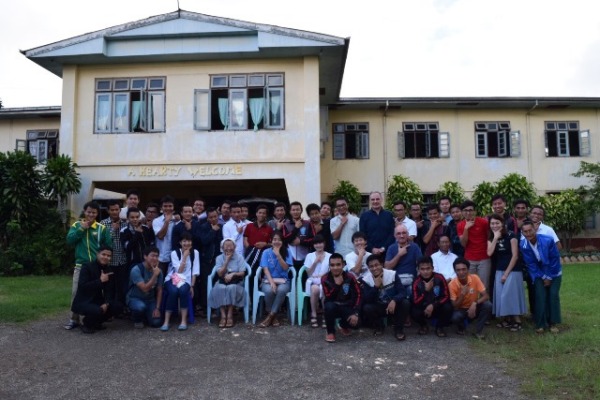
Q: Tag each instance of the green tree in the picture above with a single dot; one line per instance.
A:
(60, 179)
(514, 186)
(565, 212)
(590, 171)
(482, 196)
(453, 190)
(347, 190)
(402, 188)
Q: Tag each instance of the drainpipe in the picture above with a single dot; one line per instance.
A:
(529, 150)
(383, 138)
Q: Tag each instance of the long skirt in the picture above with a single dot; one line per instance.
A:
(227, 295)
(509, 297)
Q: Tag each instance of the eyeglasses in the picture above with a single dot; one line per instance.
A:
(468, 210)
(341, 205)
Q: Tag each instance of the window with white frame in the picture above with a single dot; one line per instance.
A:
(241, 102)
(351, 141)
(126, 105)
(495, 139)
(41, 144)
(423, 140)
(564, 139)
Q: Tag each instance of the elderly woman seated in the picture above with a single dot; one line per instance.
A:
(228, 292)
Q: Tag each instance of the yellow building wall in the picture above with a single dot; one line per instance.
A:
(547, 173)
(12, 130)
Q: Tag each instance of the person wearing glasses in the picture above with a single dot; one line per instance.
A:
(473, 233)
(343, 226)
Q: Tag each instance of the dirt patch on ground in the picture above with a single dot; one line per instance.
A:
(43, 361)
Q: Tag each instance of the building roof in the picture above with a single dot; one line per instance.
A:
(30, 112)
(188, 36)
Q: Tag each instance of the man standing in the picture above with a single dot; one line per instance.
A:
(135, 237)
(118, 262)
(536, 215)
(343, 226)
(499, 207)
(294, 234)
(257, 237)
(342, 298)
(225, 214)
(152, 211)
(456, 214)
(400, 209)
(96, 299)
(187, 224)
(435, 231)
(383, 295)
(473, 232)
(146, 290)
(378, 224)
(132, 200)
(520, 210)
(317, 226)
(541, 256)
(234, 228)
(279, 219)
(211, 235)
(326, 211)
(423, 225)
(163, 230)
(444, 203)
(469, 298)
(199, 210)
(87, 236)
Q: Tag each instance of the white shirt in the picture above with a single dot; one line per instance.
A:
(410, 225)
(230, 232)
(351, 263)
(164, 244)
(344, 244)
(442, 263)
(548, 231)
(189, 268)
(123, 214)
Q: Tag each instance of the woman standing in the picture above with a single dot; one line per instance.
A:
(275, 263)
(228, 292)
(509, 296)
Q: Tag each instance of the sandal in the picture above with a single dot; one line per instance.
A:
(222, 322)
(440, 332)
(400, 336)
(539, 331)
(229, 323)
(276, 322)
(314, 323)
(71, 325)
(516, 327)
(504, 324)
(267, 321)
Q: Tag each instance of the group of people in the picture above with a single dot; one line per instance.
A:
(448, 268)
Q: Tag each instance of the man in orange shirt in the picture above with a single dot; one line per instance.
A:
(469, 298)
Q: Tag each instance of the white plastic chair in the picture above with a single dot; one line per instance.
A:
(258, 295)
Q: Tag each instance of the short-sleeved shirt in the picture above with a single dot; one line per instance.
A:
(256, 234)
(189, 270)
(269, 260)
(476, 248)
(164, 244)
(139, 274)
(351, 258)
(544, 229)
(442, 263)
(503, 253)
(408, 262)
(344, 244)
(475, 288)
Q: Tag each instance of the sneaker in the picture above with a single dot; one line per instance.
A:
(182, 327)
(164, 328)
(138, 325)
(346, 331)
(330, 337)
(71, 325)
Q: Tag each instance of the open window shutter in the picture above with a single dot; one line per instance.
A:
(143, 111)
(362, 139)
(401, 152)
(562, 143)
(481, 144)
(515, 144)
(584, 143)
(502, 145)
(21, 145)
(201, 109)
(339, 146)
(444, 144)
(428, 144)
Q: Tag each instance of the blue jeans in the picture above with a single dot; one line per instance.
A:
(273, 301)
(143, 309)
(174, 293)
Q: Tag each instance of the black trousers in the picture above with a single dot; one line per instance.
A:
(373, 315)
(442, 313)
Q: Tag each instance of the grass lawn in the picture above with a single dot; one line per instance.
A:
(561, 366)
(27, 298)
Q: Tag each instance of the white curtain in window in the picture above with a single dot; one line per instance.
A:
(157, 112)
(275, 104)
(121, 111)
(224, 112)
(136, 109)
(257, 108)
(103, 114)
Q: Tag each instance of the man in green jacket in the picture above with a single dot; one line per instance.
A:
(86, 235)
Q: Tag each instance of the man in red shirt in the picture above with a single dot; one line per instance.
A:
(257, 237)
(473, 233)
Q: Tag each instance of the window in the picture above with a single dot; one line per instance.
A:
(495, 139)
(564, 139)
(126, 105)
(423, 140)
(351, 141)
(41, 144)
(240, 102)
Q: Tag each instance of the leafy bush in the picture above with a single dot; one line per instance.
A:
(482, 196)
(515, 186)
(351, 193)
(453, 190)
(565, 212)
(402, 188)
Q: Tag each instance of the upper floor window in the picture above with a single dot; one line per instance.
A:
(495, 139)
(130, 105)
(241, 101)
(351, 141)
(423, 140)
(41, 144)
(564, 139)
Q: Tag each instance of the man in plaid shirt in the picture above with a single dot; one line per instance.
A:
(118, 262)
